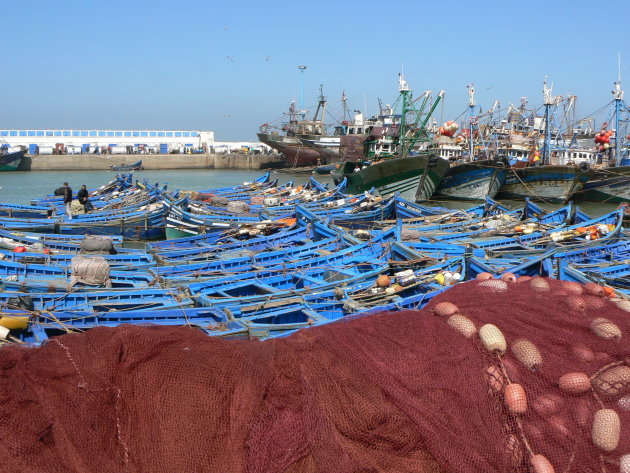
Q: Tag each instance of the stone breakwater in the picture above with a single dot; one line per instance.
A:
(149, 161)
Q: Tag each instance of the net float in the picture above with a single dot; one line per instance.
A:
(593, 289)
(539, 284)
(527, 353)
(484, 276)
(624, 305)
(494, 285)
(540, 464)
(572, 287)
(574, 383)
(605, 329)
(445, 309)
(606, 430)
(462, 324)
(576, 303)
(613, 382)
(508, 277)
(515, 398)
(492, 338)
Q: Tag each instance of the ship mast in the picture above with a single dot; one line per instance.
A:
(405, 93)
(618, 96)
(548, 102)
(471, 110)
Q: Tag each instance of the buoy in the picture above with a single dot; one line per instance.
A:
(19, 249)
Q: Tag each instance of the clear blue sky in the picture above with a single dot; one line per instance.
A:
(231, 66)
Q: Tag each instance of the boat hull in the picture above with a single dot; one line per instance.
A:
(11, 161)
(472, 181)
(295, 153)
(545, 183)
(610, 185)
(414, 177)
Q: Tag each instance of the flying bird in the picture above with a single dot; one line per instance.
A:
(267, 59)
(230, 58)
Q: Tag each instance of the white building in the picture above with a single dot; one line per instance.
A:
(88, 141)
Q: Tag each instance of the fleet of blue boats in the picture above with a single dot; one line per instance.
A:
(263, 260)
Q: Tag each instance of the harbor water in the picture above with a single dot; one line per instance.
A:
(21, 187)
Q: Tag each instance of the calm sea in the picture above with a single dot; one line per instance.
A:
(21, 187)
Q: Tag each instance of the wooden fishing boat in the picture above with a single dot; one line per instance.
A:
(10, 161)
(137, 166)
(473, 180)
(545, 183)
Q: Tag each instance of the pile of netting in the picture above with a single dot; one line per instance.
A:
(531, 375)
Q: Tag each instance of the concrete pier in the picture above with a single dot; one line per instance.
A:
(149, 161)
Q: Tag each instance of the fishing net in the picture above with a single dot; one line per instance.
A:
(409, 391)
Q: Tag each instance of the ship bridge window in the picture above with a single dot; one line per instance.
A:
(110, 133)
(118, 133)
(92, 133)
(136, 133)
(160, 133)
(186, 134)
(76, 133)
(193, 134)
(169, 134)
(102, 133)
(4, 133)
(127, 133)
(49, 133)
(144, 133)
(40, 133)
(66, 133)
(152, 133)
(31, 133)
(22, 133)
(84, 133)
(178, 134)
(13, 133)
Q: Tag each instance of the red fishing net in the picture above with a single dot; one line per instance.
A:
(408, 391)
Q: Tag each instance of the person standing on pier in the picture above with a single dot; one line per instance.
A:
(67, 199)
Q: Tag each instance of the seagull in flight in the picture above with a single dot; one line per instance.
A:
(267, 59)
(230, 58)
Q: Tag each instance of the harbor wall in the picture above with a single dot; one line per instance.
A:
(77, 162)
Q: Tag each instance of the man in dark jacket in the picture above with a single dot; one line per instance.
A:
(83, 195)
(67, 199)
